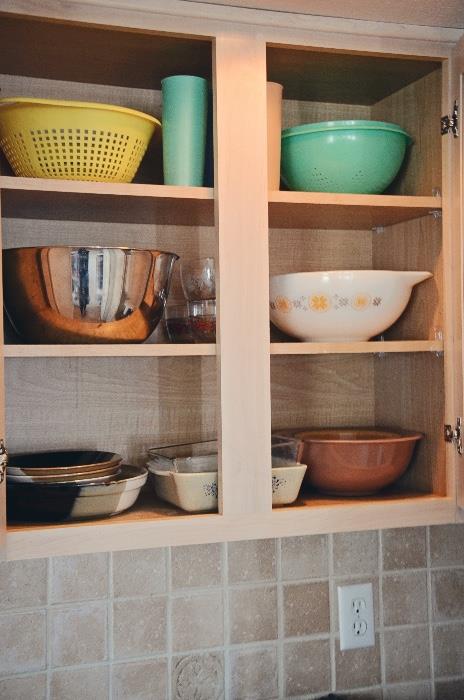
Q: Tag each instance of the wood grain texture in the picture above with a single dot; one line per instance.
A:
(357, 348)
(99, 55)
(313, 250)
(241, 218)
(144, 350)
(417, 108)
(301, 111)
(324, 210)
(314, 516)
(2, 411)
(121, 404)
(108, 208)
(329, 391)
(333, 76)
(409, 394)
(415, 245)
(35, 198)
(453, 260)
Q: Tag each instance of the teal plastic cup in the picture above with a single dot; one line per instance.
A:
(185, 114)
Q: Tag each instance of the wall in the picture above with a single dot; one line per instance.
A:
(254, 620)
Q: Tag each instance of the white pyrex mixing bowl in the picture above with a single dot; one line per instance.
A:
(345, 305)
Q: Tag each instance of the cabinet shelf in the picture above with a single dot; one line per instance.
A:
(163, 525)
(209, 349)
(116, 350)
(37, 198)
(327, 210)
(369, 346)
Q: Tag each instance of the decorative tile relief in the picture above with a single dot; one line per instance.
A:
(198, 676)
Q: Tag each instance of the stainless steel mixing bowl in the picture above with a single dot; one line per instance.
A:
(70, 294)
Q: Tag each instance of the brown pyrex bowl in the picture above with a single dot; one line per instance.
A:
(355, 461)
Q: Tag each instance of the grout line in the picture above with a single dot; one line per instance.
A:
(383, 662)
(110, 624)
(280, 621)
(169, 652)
(225, 593)
(48, 634)
(353, 693)
(430, 612)
(332, 603)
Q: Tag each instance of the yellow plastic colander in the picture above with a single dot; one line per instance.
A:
(70, 140)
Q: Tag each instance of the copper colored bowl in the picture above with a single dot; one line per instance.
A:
(353, 461)
(76, 294)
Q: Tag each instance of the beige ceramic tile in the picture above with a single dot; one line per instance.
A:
(448, 595)
(351, 582)
(305, 557)
(141, 572)
(405, 598)
(24, 687)
(355, 553)
(306, 667)
(139, 627)
(199, 676)
(357, 668)
(447, 545)
(78, 634)
(407, 654)
(198, 565)
(252, 614)
(448, 649)
(140, 680)
(197, 621)
(86, 682)
(23, 584)
(306, 609)
(254, 674)
(411, 691)
(25, 649)
(83, 577)
(449, 690)
(252, 560)
(404, 548)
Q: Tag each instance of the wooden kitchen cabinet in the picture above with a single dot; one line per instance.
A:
(127, 398)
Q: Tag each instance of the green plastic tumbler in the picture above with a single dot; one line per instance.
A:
(185, 112)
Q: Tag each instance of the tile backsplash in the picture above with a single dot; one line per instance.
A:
(252, 620)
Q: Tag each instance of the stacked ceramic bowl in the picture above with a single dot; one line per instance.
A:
(194, 321)
(187, 475)
(70, 484)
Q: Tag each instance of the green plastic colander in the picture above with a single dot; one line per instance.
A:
(356, 156)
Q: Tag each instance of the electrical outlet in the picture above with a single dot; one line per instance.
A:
(356, 616)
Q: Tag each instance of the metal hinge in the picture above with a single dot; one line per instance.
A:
(3, 460)
(454, 434)
(450, 123)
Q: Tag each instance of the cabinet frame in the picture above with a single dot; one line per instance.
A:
(243, 350)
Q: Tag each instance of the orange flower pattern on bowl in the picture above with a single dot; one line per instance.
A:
(283, 305)
(360, 302)
(321, 302)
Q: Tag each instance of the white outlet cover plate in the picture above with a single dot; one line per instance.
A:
(356, 612)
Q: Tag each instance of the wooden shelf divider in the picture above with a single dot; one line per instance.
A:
(356, 348)
(209, 349)
(116, 350)
(328, 210)
(35, 198)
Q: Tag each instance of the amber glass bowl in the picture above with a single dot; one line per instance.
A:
(354, 461)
